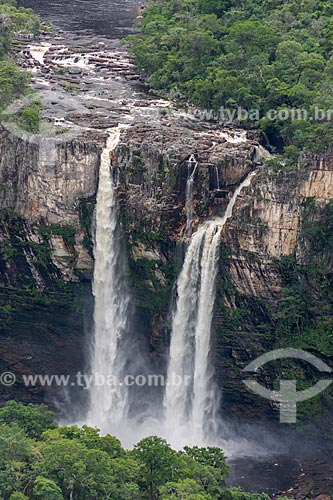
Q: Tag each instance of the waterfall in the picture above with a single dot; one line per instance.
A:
(217, 177)
(190, 397)
(191, 170)
(108, 400)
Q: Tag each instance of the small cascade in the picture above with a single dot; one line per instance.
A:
(190, 397)
(69, 60)
(217, 176)
(191, 171)
(108, 400)
(38, 52)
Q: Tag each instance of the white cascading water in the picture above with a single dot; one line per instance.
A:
(191, 170)
(108, 401)
(190, 406)
(217, 178)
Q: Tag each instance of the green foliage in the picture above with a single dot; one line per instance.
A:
(67, 232)
(238, 494)
(286, 162)
(186, 489)
(319, 233)
(305, 307)
(18, 19)
(19, 496)
(14, 454)
(34, 420)
(28, 118)
(64, 463)
(212, 469)
(158, 461)
(254, 54)
(45, 488)
(54, 463)
(13, 82)
(6, 250)
(88, 436)
(14, 445)
(211, 456)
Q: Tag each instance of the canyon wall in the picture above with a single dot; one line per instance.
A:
(46, 210)
(270, 256)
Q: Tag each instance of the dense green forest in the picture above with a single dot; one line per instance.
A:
(257, 55)
(39, 460)
(13, 20)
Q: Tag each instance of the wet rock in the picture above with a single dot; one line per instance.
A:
(74, 71)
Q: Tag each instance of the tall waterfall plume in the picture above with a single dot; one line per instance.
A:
(108, 400)
(190, 397)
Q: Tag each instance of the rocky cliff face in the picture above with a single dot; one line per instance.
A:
(46, 242)
(51, 183)
(274, 288)
(49, 190)
(46, 209)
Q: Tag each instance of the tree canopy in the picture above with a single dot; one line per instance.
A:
(39, 460)
(258, 54)
(13, 19)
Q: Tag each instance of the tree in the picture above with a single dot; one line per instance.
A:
(32, 419)
(14, 446)
(15, 451)
(84, 471)
(212, 456)
(110, 444)
(45, 488)
(64, 464)
(261, 54)
(187, 489)
(207, 467)
(19, 496)
(246, 39)
(159, 463)
(87, 436)
(13, 82)
(238, 494)
(126, 475)
(28, 119)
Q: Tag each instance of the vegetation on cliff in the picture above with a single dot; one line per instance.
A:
(305, 309)
(40, 460)
(13, 20)
(256, 55)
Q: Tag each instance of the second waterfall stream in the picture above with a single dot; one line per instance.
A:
(191, 406)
